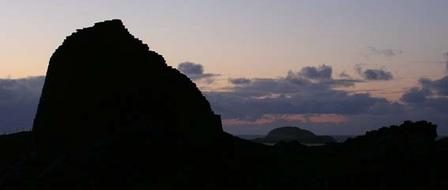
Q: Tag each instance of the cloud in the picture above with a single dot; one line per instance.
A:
(302, 118)
(189, 68)
(414, 95)
(322, 72)
(377, 74)
(266, 119)
(18, 102)
(296, 93)
(431, 96)
(344, 75)
(327, 118)
(384, 52)
(195, 72)
(373, 74)
(239, 81)
(433, 93)
(321, 75)
(436, 87)
(446, 61)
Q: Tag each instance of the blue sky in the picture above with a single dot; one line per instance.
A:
(268, 43)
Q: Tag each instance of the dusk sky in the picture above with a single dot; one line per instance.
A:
(333, 67)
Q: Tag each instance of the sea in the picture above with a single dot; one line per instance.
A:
(338, 138)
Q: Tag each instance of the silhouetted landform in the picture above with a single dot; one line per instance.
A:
(13, 148)
(288, 134)
(102, 83)
(113, 116)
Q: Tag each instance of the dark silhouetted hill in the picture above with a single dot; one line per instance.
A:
(102, 83)
(113, 115)
(294, 134)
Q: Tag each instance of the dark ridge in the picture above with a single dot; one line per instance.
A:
(103, 83)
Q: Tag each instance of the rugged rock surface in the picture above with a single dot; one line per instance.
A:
(288, 134)
(102, 83)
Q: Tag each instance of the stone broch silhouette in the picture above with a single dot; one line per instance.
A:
(103, 83)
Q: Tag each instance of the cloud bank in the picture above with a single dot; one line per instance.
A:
(446, 61)
(430, 95)
(18, 103)
(309, 98)
(309, 91)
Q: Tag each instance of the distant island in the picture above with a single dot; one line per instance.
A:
(289, 133)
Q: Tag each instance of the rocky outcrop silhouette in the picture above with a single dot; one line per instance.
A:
(408, 140)
(13, 148)
(113, 115)
(102, 83)
(294, 134)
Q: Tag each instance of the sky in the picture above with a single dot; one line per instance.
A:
(333, 67)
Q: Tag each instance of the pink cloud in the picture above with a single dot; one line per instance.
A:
(327, 118)
(301, 118)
